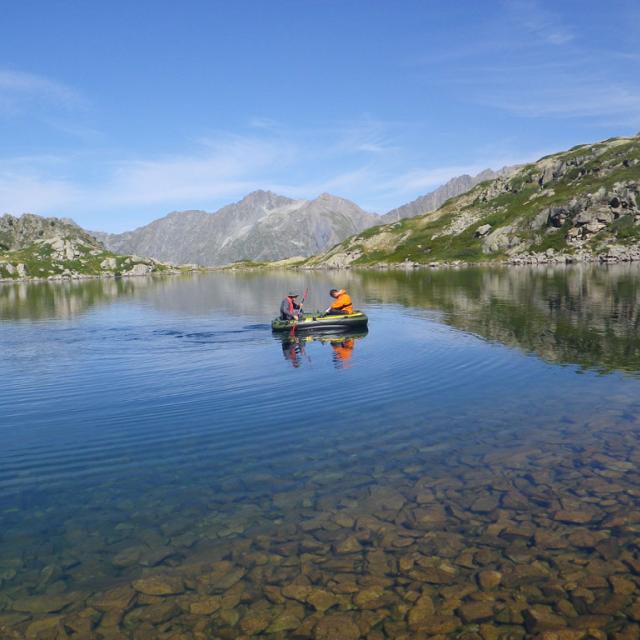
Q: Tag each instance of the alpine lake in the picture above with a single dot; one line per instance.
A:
(467, 468)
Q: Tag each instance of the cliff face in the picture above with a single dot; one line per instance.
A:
(569, 206)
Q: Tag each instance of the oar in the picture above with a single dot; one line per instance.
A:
(295, 322)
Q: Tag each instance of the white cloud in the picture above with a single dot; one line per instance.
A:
(19, 90)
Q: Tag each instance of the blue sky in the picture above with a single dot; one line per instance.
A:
(115, 113)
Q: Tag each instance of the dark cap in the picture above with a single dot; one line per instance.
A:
(292, 294)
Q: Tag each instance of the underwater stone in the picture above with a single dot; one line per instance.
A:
(159, 585)
(473, 612)
(205, 606)
(574, 517)
(337, 627)
(540, 618)
(489, 579)
(42, 604)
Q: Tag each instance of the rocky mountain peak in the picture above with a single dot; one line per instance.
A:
(262, 198)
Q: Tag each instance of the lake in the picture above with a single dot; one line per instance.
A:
(466, 468)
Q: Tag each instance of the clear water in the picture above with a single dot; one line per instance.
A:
(487, 421)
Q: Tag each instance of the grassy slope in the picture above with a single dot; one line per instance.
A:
(413, 239)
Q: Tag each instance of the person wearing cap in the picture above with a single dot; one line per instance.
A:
(290, 309)
(342, 304)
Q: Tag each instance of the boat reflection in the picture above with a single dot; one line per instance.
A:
(342, 344)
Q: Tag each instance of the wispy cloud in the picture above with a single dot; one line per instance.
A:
(539, 22)
(222, 166)
(33, 193)
(575, 98)
(19, 89)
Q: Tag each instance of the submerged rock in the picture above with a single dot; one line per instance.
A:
(337, 627)
(159, 585)
(42, 604)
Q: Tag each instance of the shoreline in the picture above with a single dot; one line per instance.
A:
(616, 255)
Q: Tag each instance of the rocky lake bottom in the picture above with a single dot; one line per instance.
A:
(469, 468)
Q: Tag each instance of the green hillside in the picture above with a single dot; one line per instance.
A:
(51, 248)
(568, 206)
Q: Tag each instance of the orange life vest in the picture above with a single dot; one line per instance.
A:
(343, 302)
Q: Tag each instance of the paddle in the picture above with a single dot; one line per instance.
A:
(295, 322)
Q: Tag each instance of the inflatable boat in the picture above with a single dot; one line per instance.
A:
(355, 320)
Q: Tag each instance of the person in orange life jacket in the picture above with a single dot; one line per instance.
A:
(342, 304)
(290, 309)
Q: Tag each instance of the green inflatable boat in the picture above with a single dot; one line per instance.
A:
(355, 320)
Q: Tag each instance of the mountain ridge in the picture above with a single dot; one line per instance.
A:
(261, 226)
(435, 199)
(574, 205)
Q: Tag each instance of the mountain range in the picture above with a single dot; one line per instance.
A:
(571, 205)
(264, 226)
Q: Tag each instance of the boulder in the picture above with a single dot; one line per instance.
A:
(585, 217)
(482, 230)
(557, 217)
(604, 216)
(109, 264)
(594, 227)
(139, 269)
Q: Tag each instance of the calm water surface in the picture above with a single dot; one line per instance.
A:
(467, 468)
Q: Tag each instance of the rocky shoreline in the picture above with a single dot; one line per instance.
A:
(613, 255)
